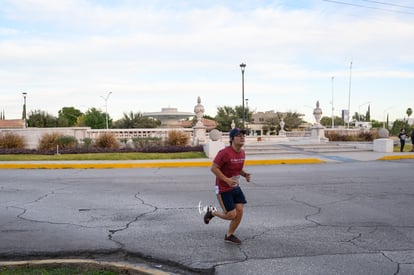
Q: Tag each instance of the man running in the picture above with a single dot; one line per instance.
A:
(228, 167)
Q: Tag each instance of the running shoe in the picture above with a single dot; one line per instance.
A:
(232, 239)
(209, 214)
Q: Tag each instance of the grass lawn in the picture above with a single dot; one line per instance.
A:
(54, 270)
(104, 156)
(407, 148)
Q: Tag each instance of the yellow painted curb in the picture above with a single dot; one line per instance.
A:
(396, 157)
(122, 266)
(109, 165)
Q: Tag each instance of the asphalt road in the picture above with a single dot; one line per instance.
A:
(333, 218)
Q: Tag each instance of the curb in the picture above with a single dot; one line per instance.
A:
(116, 265)
(397, 157)
(117, 165)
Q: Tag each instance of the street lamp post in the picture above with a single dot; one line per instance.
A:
(106, 108)
(243, 67)
(332, 102)
(24, 109)
(349, 95)
(247, 113)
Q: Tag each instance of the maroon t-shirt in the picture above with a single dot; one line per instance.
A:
(231, 164)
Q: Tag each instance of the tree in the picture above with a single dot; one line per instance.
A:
(94, 118)
(327, 121)
(225, 116)
(398, 125)
(136, 120)
(409, 112)
(358, 117)
(368, 114)
(387, 125)
(127, 121)
(292, 120)
(376, 124)
(41, 119)
(68, 116)
(270, 125)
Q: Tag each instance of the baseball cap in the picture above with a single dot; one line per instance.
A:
(236, 131)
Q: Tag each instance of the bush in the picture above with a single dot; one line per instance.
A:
(107, 140)
(66, 142)
(78, 150)
(49, 142)
(87, 142)
(177, 138)
(147, 142)
(11, 141)
(366, 136)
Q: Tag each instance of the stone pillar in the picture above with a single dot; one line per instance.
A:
(384, 143)
(215, 144)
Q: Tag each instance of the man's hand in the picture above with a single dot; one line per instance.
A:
(233, 181)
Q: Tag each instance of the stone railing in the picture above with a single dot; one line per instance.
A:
(298, 134)
(137, 133)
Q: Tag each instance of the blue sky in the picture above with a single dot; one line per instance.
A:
(156, 54)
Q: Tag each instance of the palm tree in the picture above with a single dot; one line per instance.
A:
(409, 112)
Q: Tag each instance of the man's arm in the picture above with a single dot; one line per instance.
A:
(246, 175)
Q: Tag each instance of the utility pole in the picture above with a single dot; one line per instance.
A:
(332, 102)
(349, 96)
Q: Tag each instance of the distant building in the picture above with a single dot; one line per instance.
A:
(262, 117)
(11, 123)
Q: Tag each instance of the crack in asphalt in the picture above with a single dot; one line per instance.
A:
(114, 231)
(308, 217)
(38, 199)
(24, 210)
(353, 230)
(391, 260)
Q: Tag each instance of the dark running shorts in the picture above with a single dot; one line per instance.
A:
(229, 199)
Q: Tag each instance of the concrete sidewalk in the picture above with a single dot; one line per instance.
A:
(272, 159)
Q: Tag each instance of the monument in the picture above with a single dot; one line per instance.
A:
(318, 131)
(199, 128)
(282, 132)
